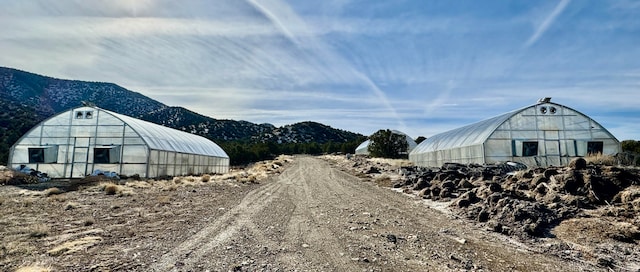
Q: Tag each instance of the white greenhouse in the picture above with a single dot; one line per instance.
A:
(363, 148)
(543, 134)
(77, 142)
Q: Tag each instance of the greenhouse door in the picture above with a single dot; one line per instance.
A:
(552, 152)
(80, 157)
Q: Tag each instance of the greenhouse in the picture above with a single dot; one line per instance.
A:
(87, 140)
(363, 148)
(543, 134)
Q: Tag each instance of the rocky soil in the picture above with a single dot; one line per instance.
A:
(585, 212)
(98, 224)
(335, 214)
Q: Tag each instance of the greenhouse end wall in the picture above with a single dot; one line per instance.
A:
(75, 143)
(544, 134)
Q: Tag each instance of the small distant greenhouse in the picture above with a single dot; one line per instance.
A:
(363, 148)
(77, 142)
(543, 134)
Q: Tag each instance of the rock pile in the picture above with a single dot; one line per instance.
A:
(513, 200)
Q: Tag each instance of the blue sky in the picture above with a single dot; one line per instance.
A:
(422, 67)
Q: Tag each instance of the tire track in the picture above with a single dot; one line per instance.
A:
(220, 231)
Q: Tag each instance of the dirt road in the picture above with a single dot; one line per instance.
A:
(313, 217)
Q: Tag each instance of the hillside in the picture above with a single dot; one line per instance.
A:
(27, 98)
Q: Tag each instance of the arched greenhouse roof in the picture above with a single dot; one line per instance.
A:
(363, 147)
(159, 137)
(468, 135)
(477, 133)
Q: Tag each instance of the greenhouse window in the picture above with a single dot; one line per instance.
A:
(36, 155)
(48, 154)
(595, 148)
(79, 115)
(529, 149)
(88, 115)
(110, 154)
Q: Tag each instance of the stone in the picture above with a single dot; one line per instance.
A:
(578, 164)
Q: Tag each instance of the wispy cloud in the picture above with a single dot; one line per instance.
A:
(542, 28)
(417, 66)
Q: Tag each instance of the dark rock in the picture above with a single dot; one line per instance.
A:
(448, 184)
(495, 187)
(445, 193)
(465, 183)
(571, 182)
(421, 184)
(483, 216)
(541, 189)
(578, 164)
(425, 193)
(372, 170)
(463, 203)
(537, 180)
(550, 172)
(470, 196)
(392, 238)
(606, 261)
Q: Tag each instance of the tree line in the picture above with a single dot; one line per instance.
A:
(241, 153)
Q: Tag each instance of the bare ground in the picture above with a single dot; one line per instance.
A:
(313, 216)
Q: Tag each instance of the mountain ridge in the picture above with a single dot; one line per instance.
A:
(28, 98)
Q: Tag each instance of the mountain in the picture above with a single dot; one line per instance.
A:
(27, 98)
(307, 132)
(47, 95)
(225, 130)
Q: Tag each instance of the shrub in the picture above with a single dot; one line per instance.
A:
(205, 178)
(387, 144)
(112, 189)
(177, 180)
(599, 158)
(89, 221)
(53, 191)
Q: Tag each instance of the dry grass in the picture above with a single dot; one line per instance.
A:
(383, 181)
(39, 230)
(75, 246)
(599, 158)
(138, 184)
(53, 191)
(27, 202)
(33, 268)
(164, 200)
(71, 206)
(392, 162)
(58, 198)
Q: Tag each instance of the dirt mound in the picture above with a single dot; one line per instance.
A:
(10, 176)
(524, 202)
(591, 208)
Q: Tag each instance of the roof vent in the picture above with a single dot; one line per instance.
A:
(544, 100)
